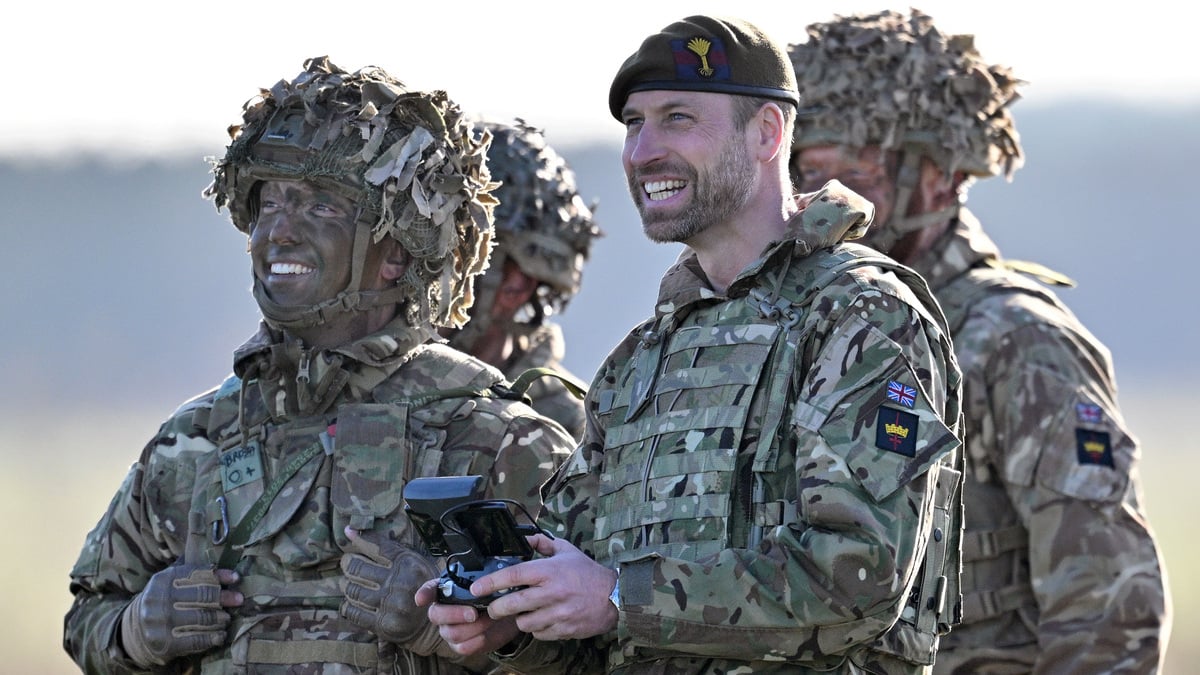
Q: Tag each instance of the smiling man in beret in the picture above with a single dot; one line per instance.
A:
(767, 481)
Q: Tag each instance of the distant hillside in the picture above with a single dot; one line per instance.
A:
(124, 286)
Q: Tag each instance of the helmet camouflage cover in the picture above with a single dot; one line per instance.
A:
(894, 80)
(542, 223)
(408, 159)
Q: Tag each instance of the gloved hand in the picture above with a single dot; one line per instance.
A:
(181, 611)
(382, 578)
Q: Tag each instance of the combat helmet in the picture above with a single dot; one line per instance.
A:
(409, 161)
(542, 223)
(895, 81)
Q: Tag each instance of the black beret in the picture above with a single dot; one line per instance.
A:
(703, 53)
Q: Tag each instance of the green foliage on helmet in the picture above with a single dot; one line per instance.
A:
(408, 159)
(894, 80)
(542, 223)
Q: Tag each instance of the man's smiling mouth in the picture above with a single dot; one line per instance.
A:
(662, 189)
(290, 268)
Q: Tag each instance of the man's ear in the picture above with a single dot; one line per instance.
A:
(768, 125)
(395, 260)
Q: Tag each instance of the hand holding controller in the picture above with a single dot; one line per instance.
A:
(478, 536)
(455, 581)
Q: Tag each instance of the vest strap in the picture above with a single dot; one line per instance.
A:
(987, 604)
(987, 544)
(521, 384)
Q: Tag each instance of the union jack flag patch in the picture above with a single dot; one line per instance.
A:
(902, 394)
(1089, 413)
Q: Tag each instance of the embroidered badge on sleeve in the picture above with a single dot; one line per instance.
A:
(1093, 447)
(896, 431)
(1089, 413)
(901, 393)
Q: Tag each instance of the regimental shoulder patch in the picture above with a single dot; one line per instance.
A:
(896, 431)
(1093, 447)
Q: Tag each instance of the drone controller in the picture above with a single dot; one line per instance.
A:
(477, 536)
(455, 581)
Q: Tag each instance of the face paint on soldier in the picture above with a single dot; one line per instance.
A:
(302, 243)
(687, 165)
(868, 171)
(871, 172)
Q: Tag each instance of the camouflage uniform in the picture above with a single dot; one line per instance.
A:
(373, 436)
(546, 229)
(543, 347)
(264, 473)
(770, 470)
(1062, 573)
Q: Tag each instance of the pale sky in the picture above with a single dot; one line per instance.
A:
(159, 76)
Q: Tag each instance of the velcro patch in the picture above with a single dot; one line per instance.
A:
(241, 466)
(896, 431)
(1093, 447)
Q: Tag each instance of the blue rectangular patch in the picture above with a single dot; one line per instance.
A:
(896, 431)
(1093, 447)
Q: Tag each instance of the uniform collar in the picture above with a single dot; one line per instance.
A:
(833, 215)
(964, 245)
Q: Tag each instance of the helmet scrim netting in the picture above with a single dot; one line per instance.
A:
(408, 159)
(894, 80)
(542, 223)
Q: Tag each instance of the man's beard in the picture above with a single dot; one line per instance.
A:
(717, 196)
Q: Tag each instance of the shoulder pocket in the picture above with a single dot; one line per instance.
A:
(887, 432)
(1086, 452)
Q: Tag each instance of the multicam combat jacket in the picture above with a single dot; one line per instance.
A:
(543, 346)
(360, 417)
(1061, 571)
(770, 471)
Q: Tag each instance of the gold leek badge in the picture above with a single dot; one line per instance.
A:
(700, 47)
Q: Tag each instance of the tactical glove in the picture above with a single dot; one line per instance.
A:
(382, 577)
(178, 613)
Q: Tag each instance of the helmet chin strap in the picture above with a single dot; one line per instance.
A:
(486, 287)
(899, 226)
(352, 299)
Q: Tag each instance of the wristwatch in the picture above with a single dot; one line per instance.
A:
(615, 596)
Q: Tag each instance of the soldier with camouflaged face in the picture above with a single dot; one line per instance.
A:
(544, 235)
(767, 481)
(261, 530)
(1061, 571)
